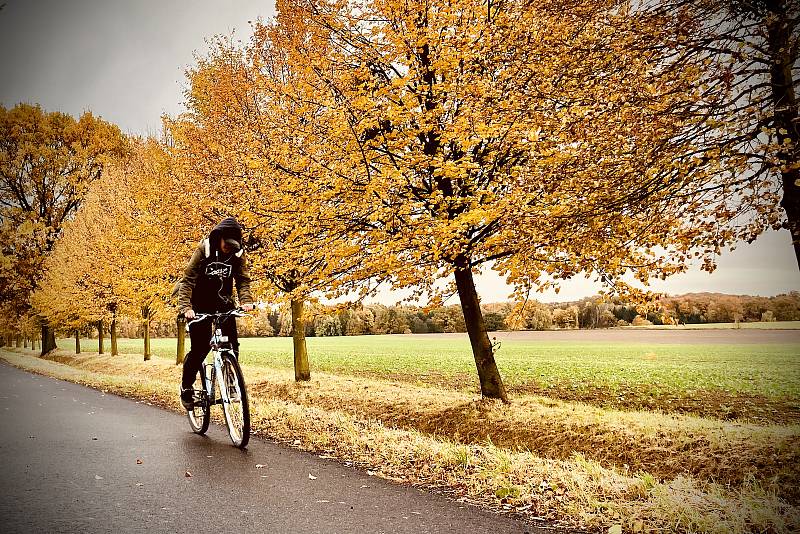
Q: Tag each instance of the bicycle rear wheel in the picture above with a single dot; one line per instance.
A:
(199, 415)
(236, 407)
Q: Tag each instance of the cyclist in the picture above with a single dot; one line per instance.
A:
(207, 287)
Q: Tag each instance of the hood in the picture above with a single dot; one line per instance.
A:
(227, 229)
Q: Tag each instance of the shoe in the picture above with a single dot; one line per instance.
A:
(187, 398)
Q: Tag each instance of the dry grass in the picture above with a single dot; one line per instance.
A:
(393, 429)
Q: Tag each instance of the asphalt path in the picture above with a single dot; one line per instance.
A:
(77, 460)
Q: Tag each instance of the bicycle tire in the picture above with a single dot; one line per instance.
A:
(199, 418)
(239, 430)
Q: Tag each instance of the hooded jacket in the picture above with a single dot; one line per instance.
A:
(207, 283)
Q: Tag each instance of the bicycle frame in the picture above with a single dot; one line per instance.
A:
(212, 370)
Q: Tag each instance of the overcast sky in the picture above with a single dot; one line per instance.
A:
(124, 61)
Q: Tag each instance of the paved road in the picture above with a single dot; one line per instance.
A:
(69, 464)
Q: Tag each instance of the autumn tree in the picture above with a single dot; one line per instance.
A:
(114, 258)
(249, 146)
(47, 161)
(744, 138)
(512, 135)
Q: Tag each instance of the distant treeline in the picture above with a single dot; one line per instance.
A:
(591, 312)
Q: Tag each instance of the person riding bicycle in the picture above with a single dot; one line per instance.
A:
(207, 287)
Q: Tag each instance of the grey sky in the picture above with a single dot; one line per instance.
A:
(124, 61)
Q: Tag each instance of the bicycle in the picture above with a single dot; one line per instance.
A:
(232, 392)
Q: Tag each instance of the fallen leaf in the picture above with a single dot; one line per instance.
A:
(260, 466)
(312, 477)
(139, 461)
(188, 474)
(139, 484)
(98, 477)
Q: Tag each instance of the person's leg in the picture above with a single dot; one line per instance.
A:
(229, 329)
(200, 336)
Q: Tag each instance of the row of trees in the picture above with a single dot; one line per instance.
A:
(588, 313)
(416, 143)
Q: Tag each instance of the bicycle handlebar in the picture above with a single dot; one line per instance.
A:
(238, 312)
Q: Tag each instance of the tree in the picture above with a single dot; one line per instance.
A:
(745, 139)
(47, 161)
(506, 134)
(113, 260)
(247, 142)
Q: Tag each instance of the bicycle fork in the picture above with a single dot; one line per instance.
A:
(223, 387)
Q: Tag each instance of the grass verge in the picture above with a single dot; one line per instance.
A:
(574, 489)
(759, 382)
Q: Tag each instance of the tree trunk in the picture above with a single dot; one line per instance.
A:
(181, 349)
(48, 338)
(18, 343)
(77, 342)
(785, 108)
(114, 351)
(146, 339)
(488, 374)
(25, 342)
(301, 368)
(100, 334)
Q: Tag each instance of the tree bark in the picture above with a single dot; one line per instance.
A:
(491, 383)
(25, 342)
(48, 338)
(181, 348)
(100, 334)
(302, 371)
(787, 122)
(147, 340)
(18, 341)
(114, 351)
(77, 342)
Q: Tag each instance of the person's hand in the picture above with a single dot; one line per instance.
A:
(247, 307)
(189, 315)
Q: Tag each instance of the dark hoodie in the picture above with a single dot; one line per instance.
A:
(207, 284)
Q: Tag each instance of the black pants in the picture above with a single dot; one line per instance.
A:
(200, 336)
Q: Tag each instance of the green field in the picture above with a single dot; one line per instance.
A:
(761, 380)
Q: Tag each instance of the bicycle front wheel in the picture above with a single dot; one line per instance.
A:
(235, 406)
